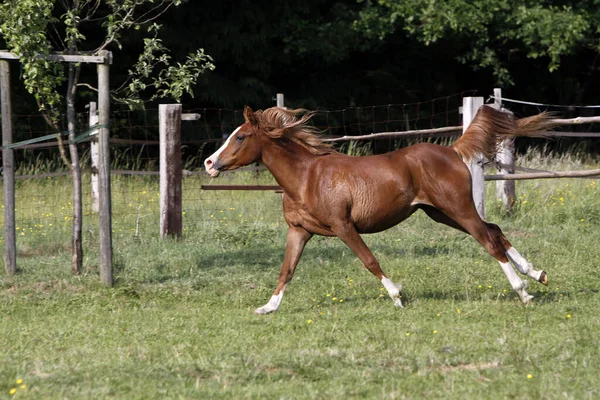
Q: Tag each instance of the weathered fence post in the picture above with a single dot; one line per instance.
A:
(469, 109)
(169, 119)
(95, 157)
(280, 100)
(8, 171)
(104, 212)
(505, 158)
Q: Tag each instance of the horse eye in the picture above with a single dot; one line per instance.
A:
(240, 138)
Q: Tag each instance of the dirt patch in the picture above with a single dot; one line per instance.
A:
(46, 249)
(468, 367)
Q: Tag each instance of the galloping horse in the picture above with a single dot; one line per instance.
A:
(333, 194)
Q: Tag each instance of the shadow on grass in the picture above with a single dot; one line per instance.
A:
(539, 297)
(268, 256)
(253, 256)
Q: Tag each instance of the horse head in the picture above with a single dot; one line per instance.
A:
(241, 148)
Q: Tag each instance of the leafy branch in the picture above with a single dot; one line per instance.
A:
(489, 31)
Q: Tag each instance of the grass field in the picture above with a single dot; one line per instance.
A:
(179, 322)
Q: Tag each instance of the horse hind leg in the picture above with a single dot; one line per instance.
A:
(490, 237)
(518, 285)
(524, 266)
(503, 251)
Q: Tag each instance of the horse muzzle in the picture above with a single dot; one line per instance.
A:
(212, 167)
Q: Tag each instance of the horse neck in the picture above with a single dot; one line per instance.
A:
(287, 162)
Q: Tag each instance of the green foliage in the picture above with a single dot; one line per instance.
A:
(124, 16)
(171, 81)
(356, 148)
(326, 35)
(177, 80)
(24, 27)
(489, 31)
(398, 51)
(30, 29)
(550, 31)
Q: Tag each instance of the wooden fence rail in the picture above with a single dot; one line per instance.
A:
(544, 175)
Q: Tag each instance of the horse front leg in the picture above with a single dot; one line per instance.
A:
(297, 238)
(351, 237)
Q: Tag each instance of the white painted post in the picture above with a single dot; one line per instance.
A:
(469, 109)
(95, 156)
(8, 172)
(169, 119)
(280, 100)
(505, 189)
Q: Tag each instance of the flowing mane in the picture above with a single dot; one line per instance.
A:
(277, 123)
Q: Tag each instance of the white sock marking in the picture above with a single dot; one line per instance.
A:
(271, 306)
(522, 264)
(393, 290)
(517, 284)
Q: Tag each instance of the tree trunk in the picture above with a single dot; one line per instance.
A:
(77, 247)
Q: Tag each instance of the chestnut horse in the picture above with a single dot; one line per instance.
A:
(333, 194)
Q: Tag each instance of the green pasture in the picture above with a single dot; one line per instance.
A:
(179, 324)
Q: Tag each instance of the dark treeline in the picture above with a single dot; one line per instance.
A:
(328, 54)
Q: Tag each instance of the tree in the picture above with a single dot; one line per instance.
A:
(491, 33)
(32, 28)
(264, 46)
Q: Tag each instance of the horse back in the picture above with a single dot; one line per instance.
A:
(438, 174)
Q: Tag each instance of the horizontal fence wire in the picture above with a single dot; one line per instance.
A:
(544, 105)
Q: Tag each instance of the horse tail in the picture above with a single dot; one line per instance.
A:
(491, 126)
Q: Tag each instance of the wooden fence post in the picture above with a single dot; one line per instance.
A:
(104, 212)
(8, 171)
(169, 119)
(469, 109)
(505, 189)
(95, 157)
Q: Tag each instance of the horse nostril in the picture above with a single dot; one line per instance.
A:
(208, 162)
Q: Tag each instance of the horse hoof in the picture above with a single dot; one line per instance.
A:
(543, 278)
(262, 311)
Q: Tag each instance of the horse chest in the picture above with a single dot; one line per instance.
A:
(299, 214)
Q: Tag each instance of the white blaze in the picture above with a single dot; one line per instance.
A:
(211, 162)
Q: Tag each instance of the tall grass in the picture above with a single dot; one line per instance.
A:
(179, 322)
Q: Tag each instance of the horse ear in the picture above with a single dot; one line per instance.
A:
(250, 116)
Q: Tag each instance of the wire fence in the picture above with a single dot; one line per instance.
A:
(43, 194)
(579, 137)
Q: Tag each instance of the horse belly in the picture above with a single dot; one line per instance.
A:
(380, 214)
